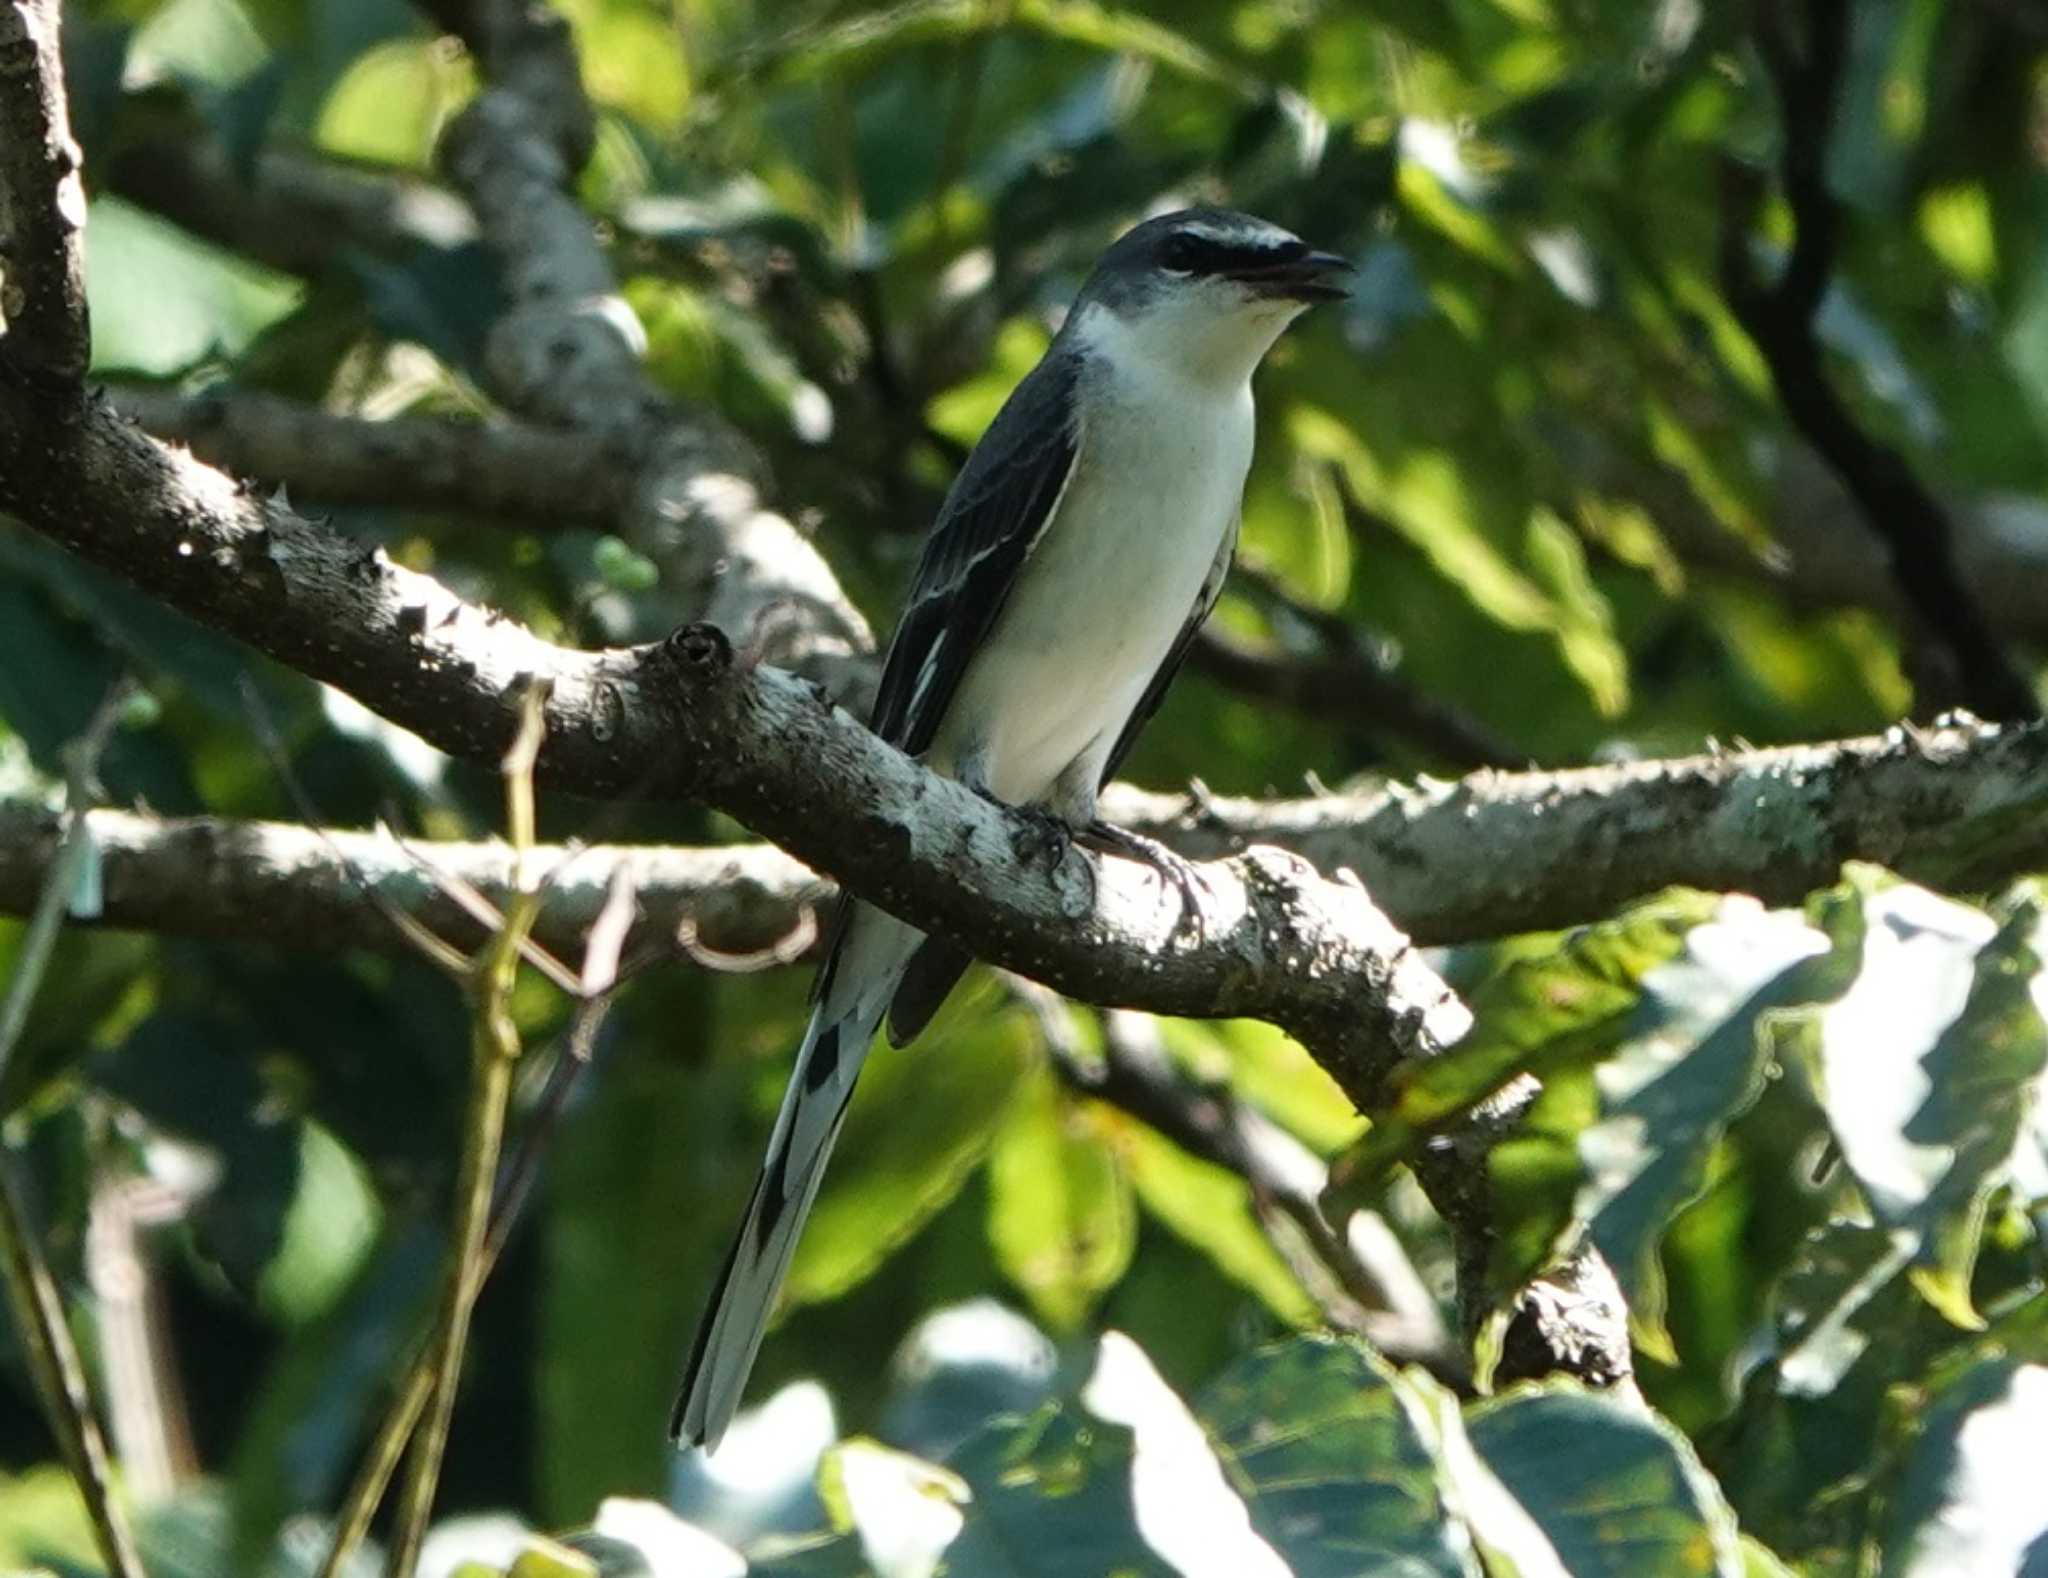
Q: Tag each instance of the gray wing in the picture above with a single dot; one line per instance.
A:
(1155, 692)
(993, 517)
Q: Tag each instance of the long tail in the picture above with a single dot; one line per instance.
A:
(858, 983)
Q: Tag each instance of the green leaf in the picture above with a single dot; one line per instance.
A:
(42, 1519)
(209, 42)
(1813, 1424)
(1061, 1218)
(1970, 1500)
(1269, 1069)
(330, 1224)
(1212, 1209)
(963, 412)
(904, 1511)
(1615, 1488)
(626, 1265)
(1844, 1267)
(622, 568)
(1542, 1011)
(391, 105)
(1051, 1498)
(1929, 1067)
(161, 300)
(543, 1558)
(888, 1178)
(1622, 1150)
(1690, 1063)
(1323, 1441)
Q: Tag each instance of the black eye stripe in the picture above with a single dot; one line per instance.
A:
(1199, 254)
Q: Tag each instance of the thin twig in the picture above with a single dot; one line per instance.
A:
(494, 1050)
(38, 1312)
(60, 888)
(38, 1308)
(514, 1187)
(146, 1412)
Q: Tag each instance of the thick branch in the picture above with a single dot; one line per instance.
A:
(42, 203)
(293, 209)
(568, 353)
(686, 718)
(1896, 506)
(1962, 805)
(508, 471)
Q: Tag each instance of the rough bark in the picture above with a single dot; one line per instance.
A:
(1964, 804)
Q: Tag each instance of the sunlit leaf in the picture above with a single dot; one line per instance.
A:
(394, 101)
(1966, 1504)
(905, 1512)
(1929, 1066)
(1212, 1210)
(1321, 1439)
(1614, 1488)
(1061, 1218)
(1543, 1010)
(162, 300)
(889, 1178)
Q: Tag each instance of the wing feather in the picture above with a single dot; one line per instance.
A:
(994, 516)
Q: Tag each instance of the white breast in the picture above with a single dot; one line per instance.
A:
(1158, 482)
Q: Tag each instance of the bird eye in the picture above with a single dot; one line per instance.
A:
(1180, 254)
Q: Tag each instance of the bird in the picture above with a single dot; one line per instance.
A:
(1076, 555)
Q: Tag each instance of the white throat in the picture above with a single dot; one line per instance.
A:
(1204, 337)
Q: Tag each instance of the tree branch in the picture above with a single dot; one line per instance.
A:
(291, 208)
(247, 881)
(568, 353)
(1343, 682)
(540, 478)
(42, 204)
(1960, 805)
(509, 471)
(1896, 506)
(1492, 854)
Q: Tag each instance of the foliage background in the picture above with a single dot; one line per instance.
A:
(1536, 466)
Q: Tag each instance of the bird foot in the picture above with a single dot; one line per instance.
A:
(1044, 841)
(1109, 839)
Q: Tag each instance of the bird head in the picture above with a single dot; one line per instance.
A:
(1207, 290)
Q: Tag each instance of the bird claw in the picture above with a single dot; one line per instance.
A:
(1045, 840)
(1172, 866)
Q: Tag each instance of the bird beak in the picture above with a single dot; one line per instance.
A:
(1321, 276)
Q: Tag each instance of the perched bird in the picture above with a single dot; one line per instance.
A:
(1077, 554)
